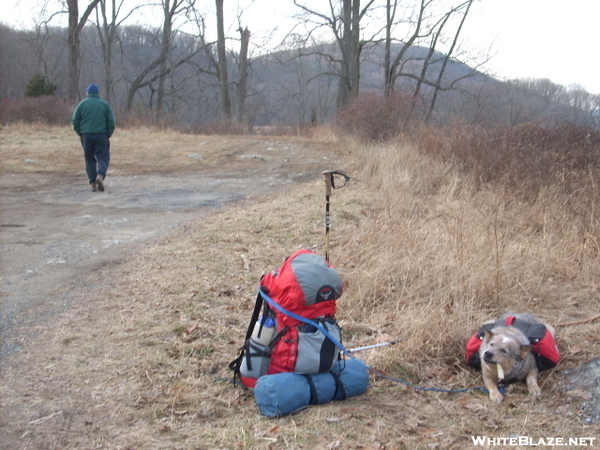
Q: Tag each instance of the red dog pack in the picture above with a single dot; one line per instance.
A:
(541, 339)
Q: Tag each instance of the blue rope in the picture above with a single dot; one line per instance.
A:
(347, 353)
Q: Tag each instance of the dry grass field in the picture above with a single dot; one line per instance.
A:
(426, 253)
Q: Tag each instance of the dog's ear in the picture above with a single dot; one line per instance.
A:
(525, 351)
(487, 332)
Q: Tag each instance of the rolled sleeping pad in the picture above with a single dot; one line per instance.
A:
(283, 393)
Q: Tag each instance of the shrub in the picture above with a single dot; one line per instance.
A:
(39, 86)
(524, 159)
(45, 109)
(373, 117)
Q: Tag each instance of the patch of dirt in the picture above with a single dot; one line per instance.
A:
(57, 233)
(584, 382)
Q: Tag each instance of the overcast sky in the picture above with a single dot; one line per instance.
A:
(555, 39)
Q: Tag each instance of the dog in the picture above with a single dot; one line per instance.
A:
(510, 352)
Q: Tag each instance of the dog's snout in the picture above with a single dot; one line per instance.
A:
(488, 356)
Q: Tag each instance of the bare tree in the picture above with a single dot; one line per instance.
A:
(170, 9)
(222, 62)
(242, 84)
(159, 67)
(431, 29)
(391, 67)
(76, 24)
(544, 88)
(221, 70)
(438, 82)
(344, 19)
(481, 105)
(107, 26)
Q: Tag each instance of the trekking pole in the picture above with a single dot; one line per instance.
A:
(367, 347)
(329, 185)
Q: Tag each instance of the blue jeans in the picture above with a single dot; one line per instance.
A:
(96, 150)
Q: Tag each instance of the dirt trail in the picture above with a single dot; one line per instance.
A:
(56, 233)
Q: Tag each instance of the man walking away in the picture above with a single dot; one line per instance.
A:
(94, 121)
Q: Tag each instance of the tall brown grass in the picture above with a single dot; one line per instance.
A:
(453, 229)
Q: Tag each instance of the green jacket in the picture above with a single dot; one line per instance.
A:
(93, 116)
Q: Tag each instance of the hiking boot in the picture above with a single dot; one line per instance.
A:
(94, 186)
(100, 182)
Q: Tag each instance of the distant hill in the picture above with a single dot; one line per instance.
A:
(308, 79)
(288, 87)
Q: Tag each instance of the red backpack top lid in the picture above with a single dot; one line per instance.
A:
(306, 285)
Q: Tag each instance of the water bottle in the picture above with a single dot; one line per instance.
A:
(263, 336)
(256, 359)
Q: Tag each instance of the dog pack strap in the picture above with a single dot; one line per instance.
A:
(509, 320)
(512, 321)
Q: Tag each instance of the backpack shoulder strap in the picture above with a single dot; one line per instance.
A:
(237, 362)
(255, 314)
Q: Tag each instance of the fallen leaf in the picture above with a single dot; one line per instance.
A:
(430, 432)
(580, 393)
(576, 349)
(474, 406)
(191, 328)
(412, 422)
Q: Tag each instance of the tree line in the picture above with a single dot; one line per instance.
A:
(407, 52)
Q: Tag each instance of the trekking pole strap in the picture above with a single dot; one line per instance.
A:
(330, 180)
(342, 174)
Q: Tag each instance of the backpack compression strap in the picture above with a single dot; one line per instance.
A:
(235, 365)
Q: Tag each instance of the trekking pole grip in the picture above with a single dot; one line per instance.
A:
(328, 177)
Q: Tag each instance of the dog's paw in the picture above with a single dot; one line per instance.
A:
(532, 386)
(534, 390)
(496, 397)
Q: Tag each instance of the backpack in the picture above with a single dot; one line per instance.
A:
(304, 287)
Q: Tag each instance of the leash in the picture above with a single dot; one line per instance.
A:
(578, 322)
(348, 353)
